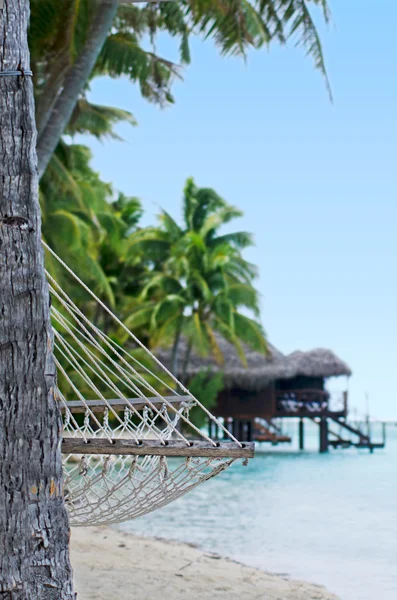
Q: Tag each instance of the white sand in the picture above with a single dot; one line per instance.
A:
(111, 565)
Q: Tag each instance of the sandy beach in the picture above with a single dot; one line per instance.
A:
(109, 564)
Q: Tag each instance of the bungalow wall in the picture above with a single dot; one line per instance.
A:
(246, 404)
(301, 383)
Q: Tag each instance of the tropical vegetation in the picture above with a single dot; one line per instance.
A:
(73, 41)
(172, 280)
(198, 287)
(199, 281)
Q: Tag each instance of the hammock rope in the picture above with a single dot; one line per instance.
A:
(130, 444)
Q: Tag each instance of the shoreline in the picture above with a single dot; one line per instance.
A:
(112, 564)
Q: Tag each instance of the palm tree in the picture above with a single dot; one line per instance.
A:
(199, 283)
(72, 202)
(87, 224)
(73, 41)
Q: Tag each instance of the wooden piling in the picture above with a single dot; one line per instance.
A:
(241, 431)
(323, 435)
(301, 434)
(249, 431)
(216, 436)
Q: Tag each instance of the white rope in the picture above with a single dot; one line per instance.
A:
(91, 340)
(112, 488)
(97, 368)
(101, 495)
(105, 339)
(136, 340)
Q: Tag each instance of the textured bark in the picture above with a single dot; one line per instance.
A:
(34, 529)
(75, 81)
(49, 95)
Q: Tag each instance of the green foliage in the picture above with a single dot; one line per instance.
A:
(87, 225)
(97, 120)
(195, 285)
(205, 386)
(198, 282)
(169, 280)
(60, 28)
(165, 281)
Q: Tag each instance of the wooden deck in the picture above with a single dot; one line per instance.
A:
(269, 433)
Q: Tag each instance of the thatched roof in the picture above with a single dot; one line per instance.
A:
(260, 370)
(318, 363)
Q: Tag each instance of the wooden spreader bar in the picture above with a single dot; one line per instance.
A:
(97, 406)
(156, 448)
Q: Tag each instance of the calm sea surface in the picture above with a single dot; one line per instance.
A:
(330, 519)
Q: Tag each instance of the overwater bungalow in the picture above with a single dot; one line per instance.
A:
(258, 394)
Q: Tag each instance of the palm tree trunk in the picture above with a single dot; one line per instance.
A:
(58, 68)
(75, 81)
(186, 361)
(175, 349)
(34, 528)
(50, 93)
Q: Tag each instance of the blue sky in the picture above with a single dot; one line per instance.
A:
(317, 182)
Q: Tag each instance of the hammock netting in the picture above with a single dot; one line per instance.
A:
(130, 442)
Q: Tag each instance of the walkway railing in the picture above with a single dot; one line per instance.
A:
(310, 403)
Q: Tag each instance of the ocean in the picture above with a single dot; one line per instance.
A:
(330, 519)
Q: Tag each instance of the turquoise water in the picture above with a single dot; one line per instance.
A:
(330, 519)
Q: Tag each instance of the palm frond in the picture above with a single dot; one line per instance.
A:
(99, 279)
(165, 284)
(62, 180)
(170, 225)
(123, 55)
(215, 348)
(68, 227)
(164, 334)
(189, 202)
(140, 317)
(98, 120)
(171, 306)
(221, 217)
(239, 239)
(229, 334)
(250, 332)
(198, 335)
(298, 19)
(244, 295)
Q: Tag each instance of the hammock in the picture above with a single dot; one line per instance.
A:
(130, 443)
